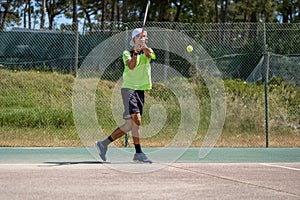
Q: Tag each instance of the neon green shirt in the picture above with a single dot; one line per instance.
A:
(140, 77)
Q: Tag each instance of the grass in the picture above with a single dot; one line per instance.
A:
(37, 137)
(36, 110)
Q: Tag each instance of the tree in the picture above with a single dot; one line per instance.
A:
(125, 11)
(103, 14)
(288, 10)
(252, 11)
(178, 5)
(27, 12)
(87, 9)
(163, 10)
(75, 16)
(43, 14)
(4, 12)
(224, 10)
(187, 11)
(268, 11)
(55, 8)
(9, 13)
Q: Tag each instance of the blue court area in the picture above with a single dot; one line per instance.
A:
(190, 155)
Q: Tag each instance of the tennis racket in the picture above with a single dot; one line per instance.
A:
(145, 19)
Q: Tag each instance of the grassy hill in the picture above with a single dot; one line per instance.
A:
(36, 110)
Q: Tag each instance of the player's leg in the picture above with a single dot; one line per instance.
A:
(136, 118)
(136, 110)
(137, 121)
(139, 155)
(120, 131)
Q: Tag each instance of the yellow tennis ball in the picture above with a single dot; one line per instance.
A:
(189, 48)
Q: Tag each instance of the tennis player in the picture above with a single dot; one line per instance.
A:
(136, 79)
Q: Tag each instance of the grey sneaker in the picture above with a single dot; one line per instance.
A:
(141, 157)
(102, 150)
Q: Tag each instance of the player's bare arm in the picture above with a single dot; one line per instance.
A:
(139, 45)
(131, 63)
(147, 51)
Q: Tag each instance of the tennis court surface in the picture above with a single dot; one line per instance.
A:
(225, 173)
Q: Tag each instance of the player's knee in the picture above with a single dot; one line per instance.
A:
(127, 126)
(137, 119)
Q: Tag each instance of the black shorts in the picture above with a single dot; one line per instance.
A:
(133, 101)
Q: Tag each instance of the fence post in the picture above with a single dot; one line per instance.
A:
(76, 50)
(126, 143)
(266, 97)
(266, 80)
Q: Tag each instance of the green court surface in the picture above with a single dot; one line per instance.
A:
(190, 155)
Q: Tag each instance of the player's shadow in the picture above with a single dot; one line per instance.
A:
(76, 163)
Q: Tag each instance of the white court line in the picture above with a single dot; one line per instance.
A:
(280, 166)
(22, 164)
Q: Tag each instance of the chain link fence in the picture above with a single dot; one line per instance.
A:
(248, 71)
